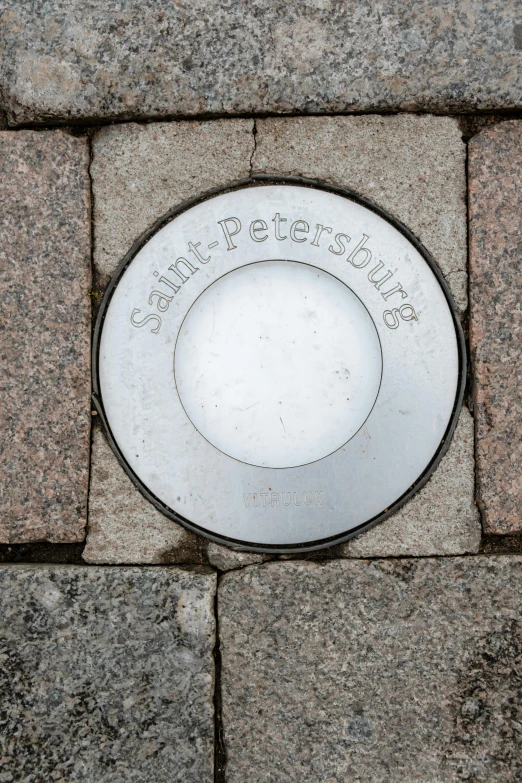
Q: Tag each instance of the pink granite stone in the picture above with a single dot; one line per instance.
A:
(495, 189)
(45, 336)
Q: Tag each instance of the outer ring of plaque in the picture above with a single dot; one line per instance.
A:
(253, 181)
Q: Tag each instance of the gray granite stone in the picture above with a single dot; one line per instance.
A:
(106, 674)
(226, 559)
(71, 60)
(373, 672)
(495, 198)
(141, 171)
(441, 519)
(414, 167)
(124, 527)
(45, 333)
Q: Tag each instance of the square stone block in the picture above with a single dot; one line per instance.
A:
(124, 527)
(495, 188)
(106, 674)
(373, 672)
(46, 328)
(413, 167)
(441, 518)
(140, 172)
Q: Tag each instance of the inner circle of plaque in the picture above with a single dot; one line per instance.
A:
(278, 365)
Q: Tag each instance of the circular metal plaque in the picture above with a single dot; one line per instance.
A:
(278, 365)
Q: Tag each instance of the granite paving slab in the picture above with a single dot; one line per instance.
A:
(106, 674)
(380, 671)
(142, 59)
(440, 519)
(45, 331)
(226, 559)
(495, 187)
(124, 527)
(140, 172)
(413, 167)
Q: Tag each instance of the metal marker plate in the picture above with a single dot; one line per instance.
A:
(278, 366)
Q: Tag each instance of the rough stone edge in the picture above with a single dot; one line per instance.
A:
(79, 536)
(494, 540)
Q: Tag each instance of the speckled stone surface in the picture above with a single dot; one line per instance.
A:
(45, 335)
(71, 60)
(373, 672)
(414, 167)
(124, 527)
(227, 559)
(495, 191)
(140, 172)
(441, 519)
(106, 675)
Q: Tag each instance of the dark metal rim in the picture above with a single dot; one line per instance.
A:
(253, 181)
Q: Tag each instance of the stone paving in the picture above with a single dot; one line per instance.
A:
(350, 668)
(496, 320)
(106, 674)
(142, 60)
(160, 655)
(46, 324)
(376, 672)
